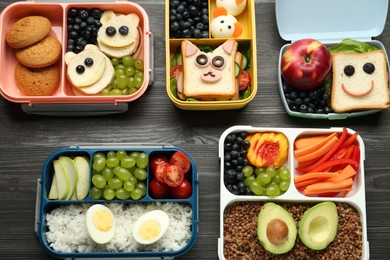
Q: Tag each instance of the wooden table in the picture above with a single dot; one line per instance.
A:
(27, 140)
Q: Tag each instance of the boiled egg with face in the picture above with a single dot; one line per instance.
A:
(100, 223)
(150, 227)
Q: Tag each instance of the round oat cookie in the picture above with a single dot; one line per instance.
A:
(28, 31)
(41, 54)
(37, 82)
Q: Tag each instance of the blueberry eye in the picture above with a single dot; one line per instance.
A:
(124, 30)
(349, 70)
(88, 62)
(202, 59)
(80, 69)
(218, 61)
(369, 68)
(110, 31)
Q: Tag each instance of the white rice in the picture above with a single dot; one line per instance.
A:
(67, 232)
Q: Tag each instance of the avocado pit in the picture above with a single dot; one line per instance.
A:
(277, 231)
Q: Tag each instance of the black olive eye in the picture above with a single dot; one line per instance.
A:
(218, 61)
(88, 62)
(202, 59)
(123, 30)
(349, 70)
(110, 31)
(80, 69)
(369, 68)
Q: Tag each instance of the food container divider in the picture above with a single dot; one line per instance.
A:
(64, 102)
(43, 204)
(355, 198)
(329, 22)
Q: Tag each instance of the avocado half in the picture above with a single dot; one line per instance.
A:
(276, 229)
(318, 225)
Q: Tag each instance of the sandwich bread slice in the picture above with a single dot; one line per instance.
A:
(359, 81)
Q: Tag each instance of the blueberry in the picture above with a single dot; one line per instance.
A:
(69, 47)
(240, 176)
(78, 48)
(124, 30)
(80, 69)
(83, 14)
(174, 3)
(96, 13)
(205, 34)
(90, 20)
(303, 108)
(87, 35)
(193, 10)
(73, 35)
(246, 144)
(72, 12)
(83, 25)
(234, 154)
(180, 8)
(196, 33)
(174, 27)
(110, 31)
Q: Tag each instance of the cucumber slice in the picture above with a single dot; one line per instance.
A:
(178, 59)
(244, 62)
(237, 69)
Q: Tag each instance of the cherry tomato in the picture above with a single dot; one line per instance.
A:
(159, 172)
(183, 191)
(181, 159)
(244, 80)
(156, 160)
(176, 71)
(173, 175)
(159, 190)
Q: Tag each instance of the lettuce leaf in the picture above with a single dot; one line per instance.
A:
(351, 46)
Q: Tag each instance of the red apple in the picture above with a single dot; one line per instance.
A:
(305, 64)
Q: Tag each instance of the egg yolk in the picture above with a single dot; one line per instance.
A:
(102, 219)
(149, 230)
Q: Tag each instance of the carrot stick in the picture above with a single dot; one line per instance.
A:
(313, 144)
(303, 184)
(346, 173)
(320, 151)
(308, 141)
(315, 175)
(330, 193)
(328, 186)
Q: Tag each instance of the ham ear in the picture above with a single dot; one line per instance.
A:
(189, 48)
(179, 86)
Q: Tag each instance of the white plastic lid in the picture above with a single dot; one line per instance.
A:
(330, 20)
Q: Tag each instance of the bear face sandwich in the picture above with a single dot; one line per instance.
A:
(359, 81)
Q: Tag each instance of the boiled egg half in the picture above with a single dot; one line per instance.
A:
(150, 227)
(100, 223)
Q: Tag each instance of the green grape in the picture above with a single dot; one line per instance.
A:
(112, 162)
(107, 173)
(256, 188)
(125, 91)
(259, 170)
(133, 90)
(284, 173)
(122, 173)
(111, 154)
(120, 66)
(138, 81)
(99, 163)
(249, 180)
(119, 72)
(128, 162)
(271, 171)
(114, 61)
(284, 185)
(96, 193)
(276, 179)
(272, 190)
(139, 74)
(122, 194)
(247, 171)
(115, 183)
(263, 178)
(129, 71)
(115, 92)
(121, 154)
(114, 84)
(136, 194)
(98, 155)
(122, 81)
(133, 179)
(128, 185)
(134, 154)
(142, 187)
(99, 181)
(142, 160)
(109, 194)
(128, 61)
(139, 64)
(105, 92)
(96, 172)
(131, 82)
(140, 174)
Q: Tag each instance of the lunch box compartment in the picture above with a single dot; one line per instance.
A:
(329, 22)
(355, 198)
(247, 19)
(46, 205)
(65, 99)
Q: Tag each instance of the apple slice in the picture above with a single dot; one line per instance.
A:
(61, 179)
(53, 193)
(83, 180)
(71, 169)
